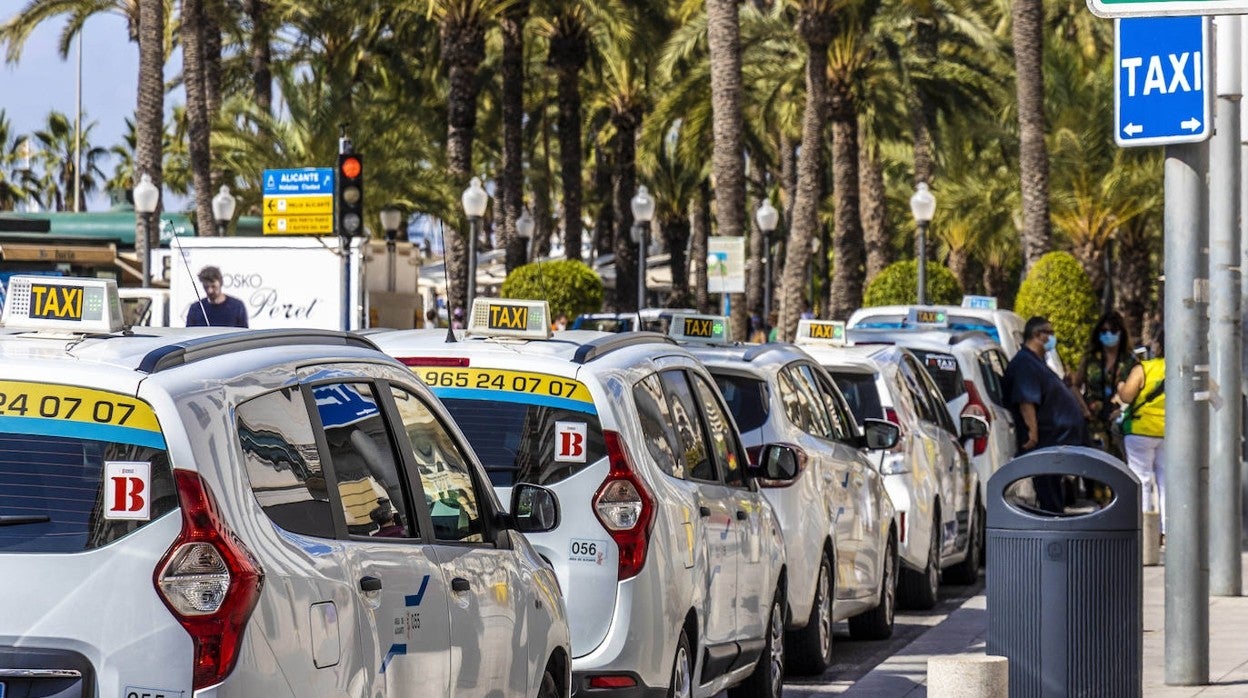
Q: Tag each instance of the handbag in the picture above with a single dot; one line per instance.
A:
(1124, 417)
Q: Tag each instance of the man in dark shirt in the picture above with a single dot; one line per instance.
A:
(1046, 412)
(215, 309)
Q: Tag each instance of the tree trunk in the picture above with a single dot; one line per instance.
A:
(1033, 161)
(261, 55)
(871, 207)
(815, 29)
(198, 129)
(700, 219)
(921, 116)
(213, 11)
(542, 210)
(149, 115)
(463, 49)
(960, 264)
(512, 198)
(755, 261)
(788, 180)
(724, 43)
(676, 236)
(626, 123)
(604, 223)
(1134, 273)
(568, 53)
(848, 246)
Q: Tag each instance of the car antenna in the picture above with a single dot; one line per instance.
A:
(174, 242)
(446, 285)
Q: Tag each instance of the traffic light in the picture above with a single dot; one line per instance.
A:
(349, 199)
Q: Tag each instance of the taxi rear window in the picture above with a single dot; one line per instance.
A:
(746, 398)
(524, 426)
(79, 468)
(860, 392)
(943, 368)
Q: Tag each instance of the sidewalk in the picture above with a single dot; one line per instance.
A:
(965, 631)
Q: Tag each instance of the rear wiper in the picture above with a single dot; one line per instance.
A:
(19, 520)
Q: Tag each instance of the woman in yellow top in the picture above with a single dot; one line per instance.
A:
(1144, 425)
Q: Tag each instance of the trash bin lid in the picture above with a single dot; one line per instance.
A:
(1021, 497)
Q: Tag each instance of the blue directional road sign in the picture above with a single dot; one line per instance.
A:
(1162, 90)
(306, 180)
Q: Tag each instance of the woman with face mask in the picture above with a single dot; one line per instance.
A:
(1107, 361)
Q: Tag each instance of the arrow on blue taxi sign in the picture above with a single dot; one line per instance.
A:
(316, 181)
(1162, 90)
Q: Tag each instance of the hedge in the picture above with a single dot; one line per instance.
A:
(570, 287)
(898, 284)
(1057, 288)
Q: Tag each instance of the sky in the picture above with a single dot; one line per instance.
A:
(41, 82)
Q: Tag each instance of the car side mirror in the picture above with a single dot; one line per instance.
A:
(534, 509)
(974, 427)
(779, 464)
(879, 434)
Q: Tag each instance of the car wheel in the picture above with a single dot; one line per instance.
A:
(682, 670)
(811, 647)
(921, 589)
(767, 680)
(877, 624)
(549, 687)
(967, 571)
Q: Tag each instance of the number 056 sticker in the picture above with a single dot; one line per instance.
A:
(581, 550)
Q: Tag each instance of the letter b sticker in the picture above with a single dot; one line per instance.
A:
(570, 442)
(127, 490)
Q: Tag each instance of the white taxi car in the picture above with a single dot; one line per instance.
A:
(250, 513)
(671, 560)
(839, 525)
(928, 474)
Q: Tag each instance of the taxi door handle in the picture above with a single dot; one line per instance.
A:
(460, 584)
(741, 515)
(704, 512)
(370, 584)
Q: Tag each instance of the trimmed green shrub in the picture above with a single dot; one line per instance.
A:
(1057, 288)
(898, 284)
(569, 286)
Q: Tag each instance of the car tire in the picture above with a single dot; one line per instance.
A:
(810, 648)
(682, 670)
(877, 624)
(549, 687)
(967, 571)
(767, 679)
(921, 589)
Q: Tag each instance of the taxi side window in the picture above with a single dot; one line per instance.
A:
(812, 416)
(445, 474)
(691, 439)
(724, 444)
(838, 410)
(283, 463)
(658, 425)
(371, 489)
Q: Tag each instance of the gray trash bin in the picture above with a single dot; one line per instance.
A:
(1065, 588)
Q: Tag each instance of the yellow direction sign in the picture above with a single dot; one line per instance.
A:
(299, 225)
(298, 205)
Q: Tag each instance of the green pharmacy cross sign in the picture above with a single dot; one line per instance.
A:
(1157, 8)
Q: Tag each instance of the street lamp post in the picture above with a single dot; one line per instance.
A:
(923, 206)
(767, 217)
(474, 200)
(223, 208)
(391, 218)
(524, 230)
(643, 210)
(146, 197)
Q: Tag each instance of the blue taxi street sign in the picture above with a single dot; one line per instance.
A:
(1162, 91)
(305, 180)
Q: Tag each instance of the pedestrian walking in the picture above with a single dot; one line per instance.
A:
(1143, 425)
(1046, 412)
(215, 309)
(1107, 361)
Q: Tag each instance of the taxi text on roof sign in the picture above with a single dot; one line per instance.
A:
(927, 317)
(709, 328)
(501, 317)
(52, 303)
(821, 332)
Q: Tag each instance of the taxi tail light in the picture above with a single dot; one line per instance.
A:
(975, 408)
(625, 508)
(435, 361)
(890, 415)
(612, 681)
(209, 581)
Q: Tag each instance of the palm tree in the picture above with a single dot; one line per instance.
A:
(194, 71)
(624, 101)
(1033, 161)
(149, 124)
(56, 155)
(724, 48)
(512, 185)
(816, 25)
(15, 180)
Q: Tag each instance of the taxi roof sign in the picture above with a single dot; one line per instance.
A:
(927, 317)
(509, 317)
(79, 306)
(829, 332)
(712, 329)
(980, 302)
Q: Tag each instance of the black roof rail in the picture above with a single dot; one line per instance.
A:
(756, 351)
(605, 345)
(200, 348)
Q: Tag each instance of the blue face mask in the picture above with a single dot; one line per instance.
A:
(1051, 343)
(1109, 339)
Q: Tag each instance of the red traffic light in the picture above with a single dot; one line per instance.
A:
(350, 167)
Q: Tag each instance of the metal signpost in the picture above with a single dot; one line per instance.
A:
(1162, 94)
(1158, 8)
(299, 201)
